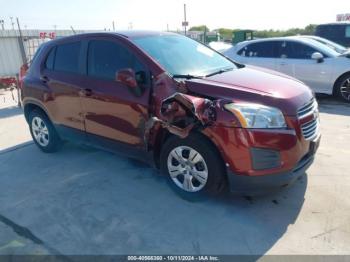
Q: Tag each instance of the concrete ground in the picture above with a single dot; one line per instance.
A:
(84, 201)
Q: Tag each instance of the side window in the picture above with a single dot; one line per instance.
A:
(347, 31)
(67, 57)
(262, 49)
(49, 63)
(106, 58)
(295, 50)
(35, 55)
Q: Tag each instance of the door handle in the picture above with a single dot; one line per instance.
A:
(86, 92)
(44, 79)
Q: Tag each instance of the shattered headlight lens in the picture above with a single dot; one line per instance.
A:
(257, 116)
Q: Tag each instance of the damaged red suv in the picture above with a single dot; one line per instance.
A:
(204, 120)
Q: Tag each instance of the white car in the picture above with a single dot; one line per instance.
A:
(317, 65)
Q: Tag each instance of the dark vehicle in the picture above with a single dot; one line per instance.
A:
(204, 120)
(336, 32)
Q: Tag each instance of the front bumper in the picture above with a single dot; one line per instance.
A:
(295, 155)
(265, 183)
(261, 184)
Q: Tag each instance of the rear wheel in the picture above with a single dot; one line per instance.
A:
(343, 88)
(193, 166)
(43, 132)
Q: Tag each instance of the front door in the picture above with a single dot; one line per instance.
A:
(115, 114)
(295, 60)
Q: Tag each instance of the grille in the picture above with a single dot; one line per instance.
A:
(307, 109)
(310, 129)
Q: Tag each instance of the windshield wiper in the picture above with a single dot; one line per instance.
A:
(220, 71)
(188, 76)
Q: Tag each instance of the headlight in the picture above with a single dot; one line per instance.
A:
(257, 116)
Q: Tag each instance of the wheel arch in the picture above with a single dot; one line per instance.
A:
(161, 137)
(336, 82)
(30, 106)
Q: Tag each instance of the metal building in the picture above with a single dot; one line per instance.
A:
(17, 49)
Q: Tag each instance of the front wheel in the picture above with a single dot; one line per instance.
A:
(193, 166)
(343, 88)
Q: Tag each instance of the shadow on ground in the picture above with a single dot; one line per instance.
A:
(331, 105)
(10, 111)
(84, 201)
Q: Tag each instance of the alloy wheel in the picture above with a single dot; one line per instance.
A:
(40, 131)
(187, 168)
(345, 89)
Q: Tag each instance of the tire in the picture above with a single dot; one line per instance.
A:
(193, 179)
(43, 133)
(342, 88)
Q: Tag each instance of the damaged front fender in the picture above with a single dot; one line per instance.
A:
(180, 113)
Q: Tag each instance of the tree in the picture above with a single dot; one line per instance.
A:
(199, 28)
(227, 33)
(310, 29)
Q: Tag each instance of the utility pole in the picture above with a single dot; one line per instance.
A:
(2, 23)
(167, 27)
(113, 26)
(185, 23)
(21, 43)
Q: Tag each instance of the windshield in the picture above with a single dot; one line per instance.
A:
(339, 48)
(325, 49)
(180, 55)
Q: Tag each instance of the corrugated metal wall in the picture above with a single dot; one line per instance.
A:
(10, 51)
(10, 54)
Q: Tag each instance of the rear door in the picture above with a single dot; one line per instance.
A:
(284, 62)
(62, 75)
(115, 115)
(259, 54)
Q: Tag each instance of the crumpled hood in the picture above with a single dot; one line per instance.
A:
(257, 85)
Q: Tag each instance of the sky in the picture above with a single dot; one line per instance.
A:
(163, 14)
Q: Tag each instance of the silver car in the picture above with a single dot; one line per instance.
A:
(317, 65)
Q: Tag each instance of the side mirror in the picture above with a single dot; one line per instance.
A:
(127, 77)
(317, 56)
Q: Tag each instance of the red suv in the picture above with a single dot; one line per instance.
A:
(203, 119)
